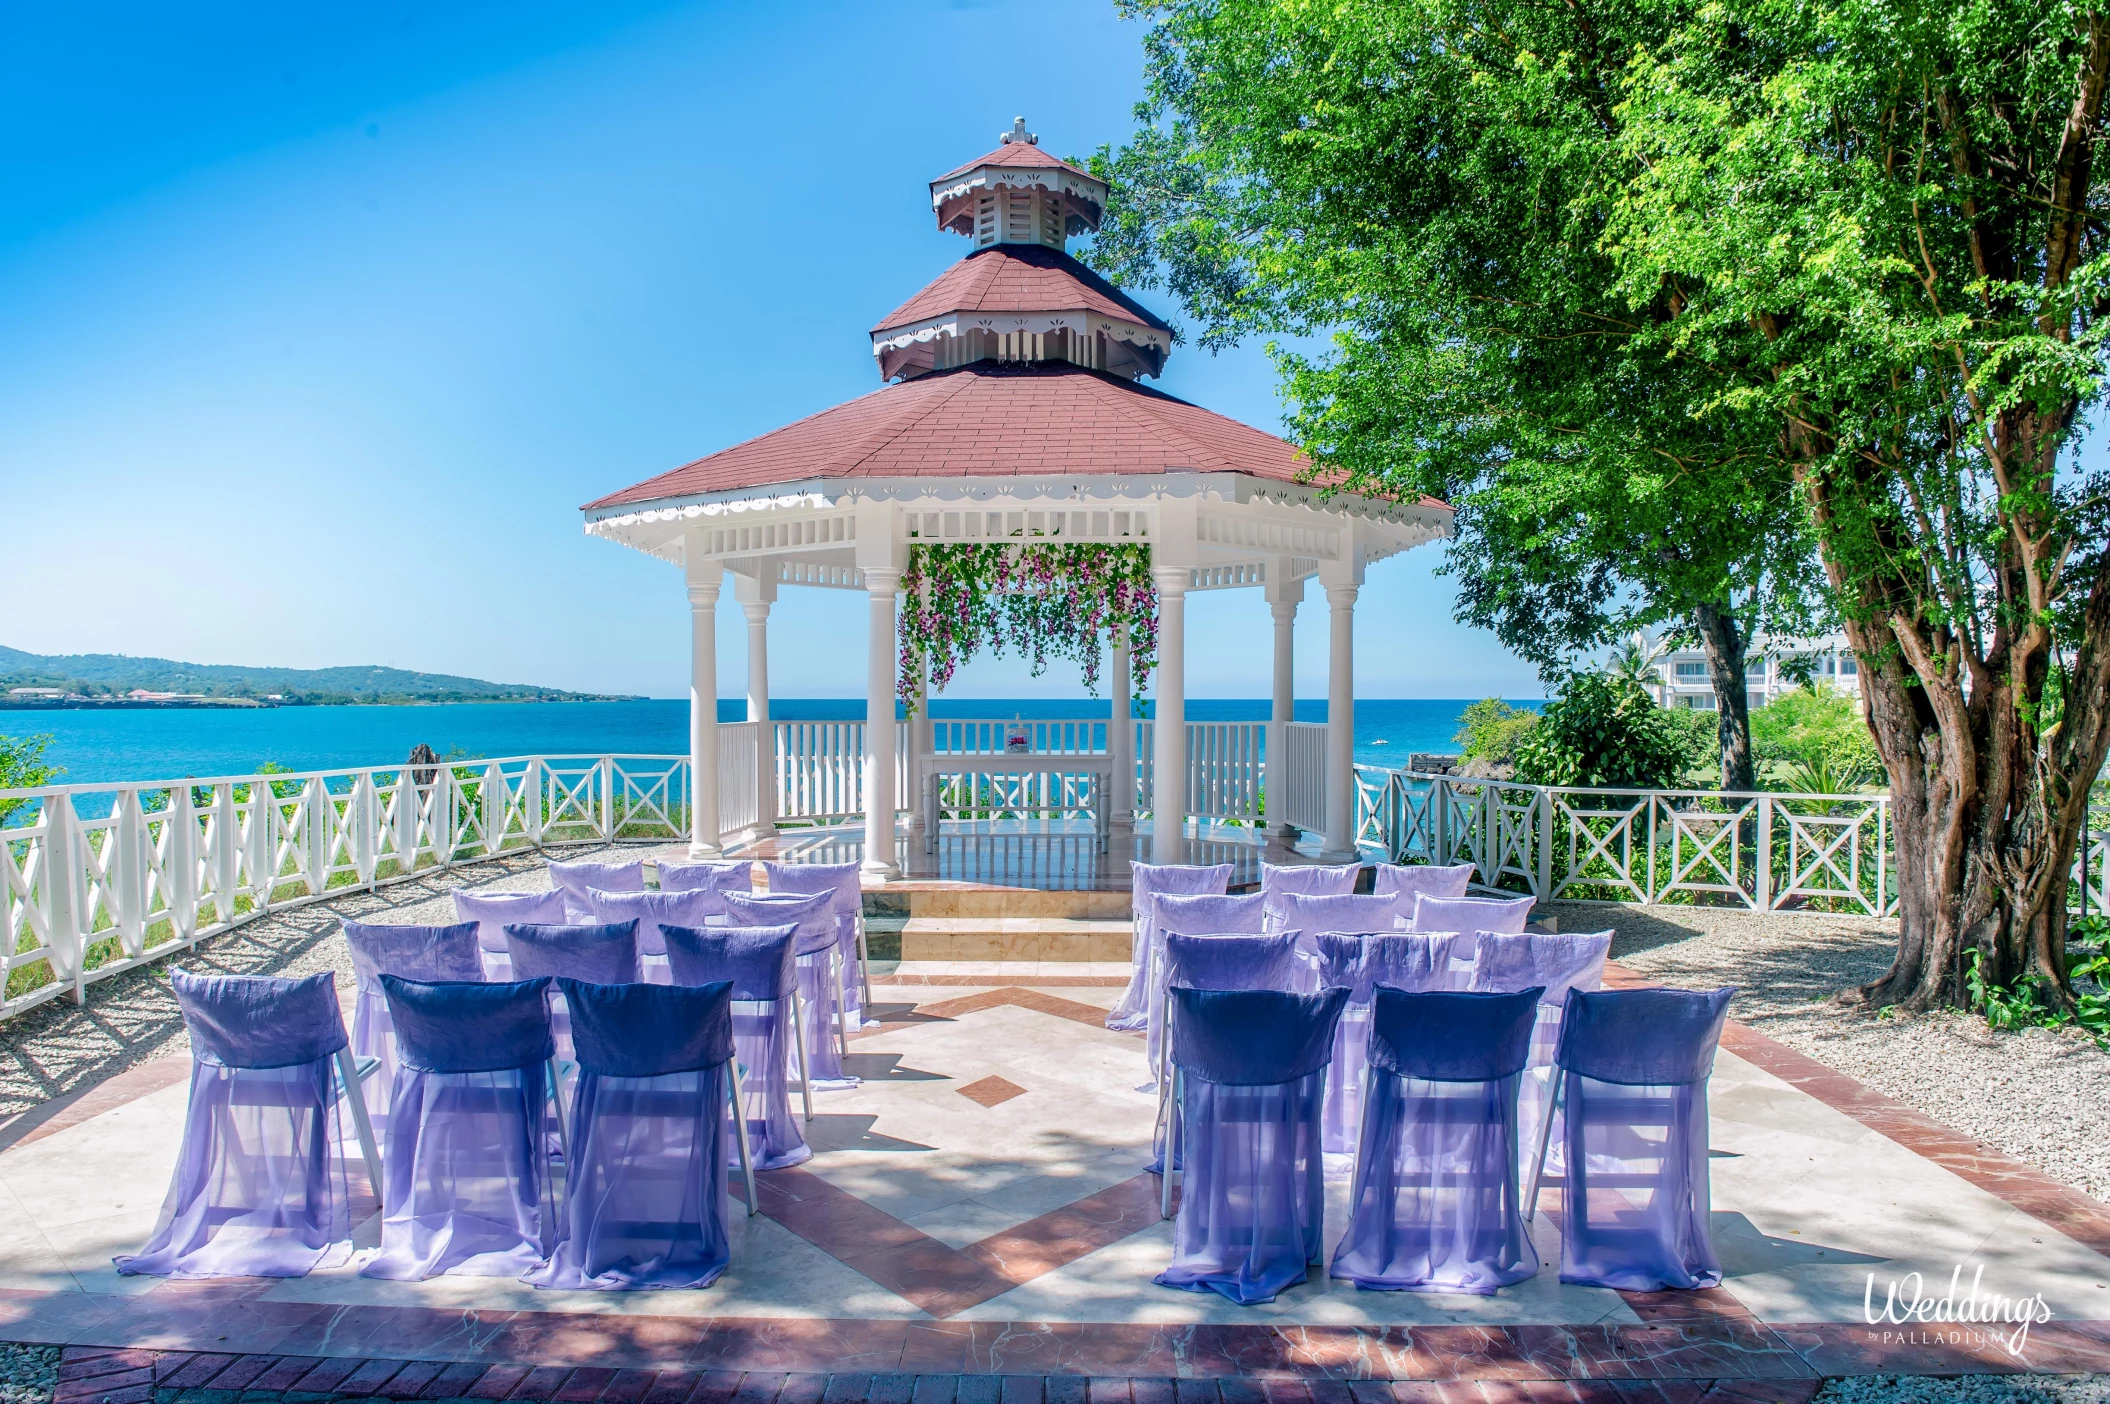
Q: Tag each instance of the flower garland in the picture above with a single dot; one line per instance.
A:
(1044, 600)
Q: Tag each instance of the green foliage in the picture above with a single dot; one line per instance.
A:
(1490, 730)
(22, 767)
(2029, 1002)
(1602, 731)
(1041, 599)
(1813, 739)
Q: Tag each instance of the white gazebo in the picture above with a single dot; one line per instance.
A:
(1014, 413)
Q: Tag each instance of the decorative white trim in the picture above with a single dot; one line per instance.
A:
(1078, 321)
(1059, 179)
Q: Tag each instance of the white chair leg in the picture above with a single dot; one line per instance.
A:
(798, 1037)
(747, 1154)
(864, 963)
(1172, 1144)
(1538, 1163)
(842, 1004)
(1362, 1134)
(362, 1125)
(556, 1095)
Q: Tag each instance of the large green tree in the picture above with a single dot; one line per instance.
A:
(1425, 186)
(1881, 223)
(1745, 262)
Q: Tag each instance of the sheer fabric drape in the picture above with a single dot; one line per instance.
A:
(1554, 963)
(258, 1189)
(1148, 881)
(842, 881)
(820, 970)
(1401, 960)
(760, 963)
(414, 953)
(1434, 1206)
(1203, 915)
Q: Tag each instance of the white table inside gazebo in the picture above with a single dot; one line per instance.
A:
(932, 769)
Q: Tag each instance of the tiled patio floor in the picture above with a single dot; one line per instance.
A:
(976, 1225)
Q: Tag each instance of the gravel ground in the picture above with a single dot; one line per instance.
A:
(59, 1047)
(1967, 1389)
(28, 1373)
(2042, 1095)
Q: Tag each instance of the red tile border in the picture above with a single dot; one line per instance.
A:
(73, 1108)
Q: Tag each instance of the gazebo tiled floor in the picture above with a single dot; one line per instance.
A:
(975, 1226)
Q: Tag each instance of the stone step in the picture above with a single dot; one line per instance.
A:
(1013, 939)
(995, 903)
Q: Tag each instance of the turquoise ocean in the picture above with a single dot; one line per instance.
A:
(97, 747)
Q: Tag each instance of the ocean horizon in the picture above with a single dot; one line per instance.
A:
(119, 747)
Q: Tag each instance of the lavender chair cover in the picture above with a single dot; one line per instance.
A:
(844, 881)
(598, 954)
(413, 953)
(761, 963)
(469, 1188)
(1555, 964)
(1233, 962)
(1401, 960)
(1635, 1065)
(575, 880)
(256, 1191)
(1434, 1205)
(1354, 915)
(1202, 915)
(651, 911)
(1252, 1065)
(1503, 916)
(1413, 880)
(821, 974)
(645, 1198)
(494, 911)
(713, 877)
(1278, 881)
(1146, 882)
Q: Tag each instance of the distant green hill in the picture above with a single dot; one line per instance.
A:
(115, 674)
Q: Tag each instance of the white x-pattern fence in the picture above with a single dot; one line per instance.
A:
(1761, 851)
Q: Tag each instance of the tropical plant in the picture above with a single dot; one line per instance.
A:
(22, 767)
(1490, 730)
(1602, 731)
(1040, 599)
(1637, 659)
(1813, 739)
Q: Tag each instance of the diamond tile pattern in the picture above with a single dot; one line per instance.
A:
(992, 1091)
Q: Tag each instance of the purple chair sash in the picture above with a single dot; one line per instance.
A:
(1303, 880)
(1147, 881)
(760, 963)
(652, 910)
(469, 1188)
(1207, 914)
(257, 1190)
(822, 974)
(575, 880)
(1634, 1066)
(1434, 1205)
(602, 954)
(645, 1202)
(1502, 916)
(494, 911)
(715, 877)
(1252, 1204)
(414, 953)
(1414, 880)
(846, 883)
(1401, 960)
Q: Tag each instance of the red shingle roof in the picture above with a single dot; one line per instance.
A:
(1015, 154)
(1019, 278)
(987, 420)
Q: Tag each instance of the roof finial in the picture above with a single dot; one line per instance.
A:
(1018, 133)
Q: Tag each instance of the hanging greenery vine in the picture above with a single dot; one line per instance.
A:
(1043, 601)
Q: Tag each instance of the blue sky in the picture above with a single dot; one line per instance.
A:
(321, 321)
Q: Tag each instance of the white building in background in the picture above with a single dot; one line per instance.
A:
(1683, 680)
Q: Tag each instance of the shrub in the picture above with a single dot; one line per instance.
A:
(1491, 729)
(1814, 740)
(22, 767)
(1605, 731)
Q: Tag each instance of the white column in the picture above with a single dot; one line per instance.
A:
(1168, 791)
(880, 584)
(1283, 597)
(1121, 736)
(706, 576)
(1340, 723)
(756, 596)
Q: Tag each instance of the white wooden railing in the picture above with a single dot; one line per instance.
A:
(1761, 851)
(1306, 784)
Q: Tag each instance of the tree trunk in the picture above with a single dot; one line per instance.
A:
(1724, 644)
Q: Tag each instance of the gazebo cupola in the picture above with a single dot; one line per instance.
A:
(1019, 297)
